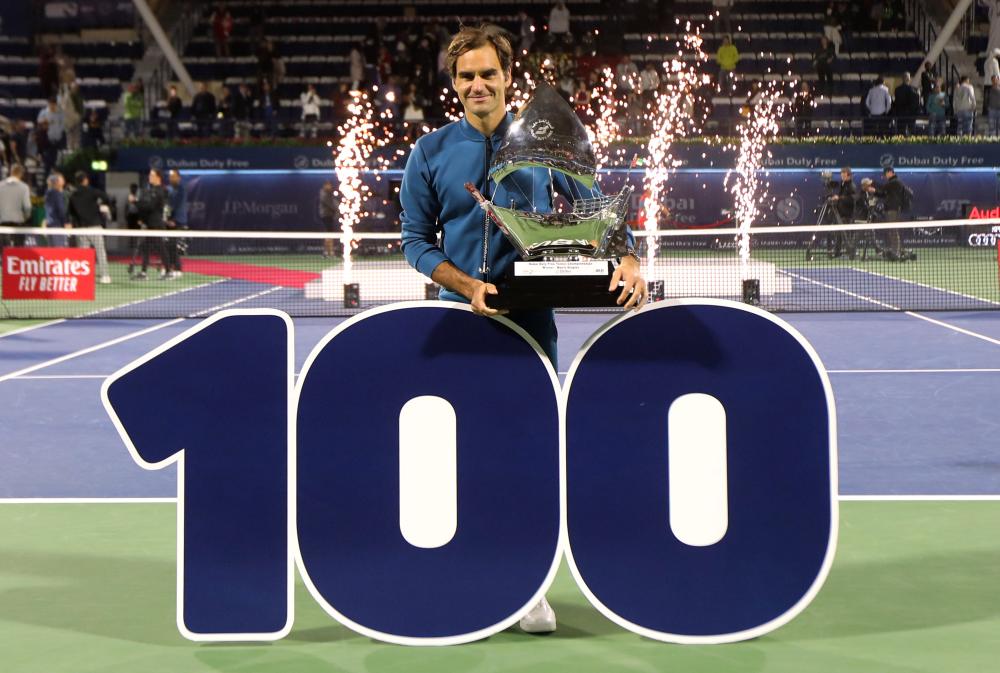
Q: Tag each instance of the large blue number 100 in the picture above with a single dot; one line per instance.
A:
(418, 475)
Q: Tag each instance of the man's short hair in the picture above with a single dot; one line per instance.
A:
(80, 177)
(469, 38)
(53, 178)
(846, 169)
(17, 170)
(158, 172)
(888, 169)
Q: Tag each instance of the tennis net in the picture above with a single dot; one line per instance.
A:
(908, 266)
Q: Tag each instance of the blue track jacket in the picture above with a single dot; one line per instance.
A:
(434, 199)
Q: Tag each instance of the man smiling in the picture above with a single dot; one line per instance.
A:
(473, 251)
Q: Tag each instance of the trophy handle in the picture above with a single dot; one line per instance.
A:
(484, 204)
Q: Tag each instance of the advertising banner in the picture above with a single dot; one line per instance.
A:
(48, 273)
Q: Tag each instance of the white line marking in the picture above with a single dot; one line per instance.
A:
(22, 330)
(919, 498)
(895, 308)
(236, 301)
(143, 300)
(85, 351)
(929, 287)
(977, 335)
(911, 371)
(56, 377)
(84, 501)
(143, 501)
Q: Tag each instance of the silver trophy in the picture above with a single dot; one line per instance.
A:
(567, 258)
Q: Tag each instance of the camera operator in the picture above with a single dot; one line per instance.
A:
(843, 202)
(896, 197)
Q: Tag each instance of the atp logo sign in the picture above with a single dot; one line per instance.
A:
(426, 473)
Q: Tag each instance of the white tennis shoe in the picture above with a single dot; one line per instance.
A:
(540, 619)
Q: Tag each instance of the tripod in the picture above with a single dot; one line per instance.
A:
(837, 243)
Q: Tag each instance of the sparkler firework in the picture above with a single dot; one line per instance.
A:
(743, 182)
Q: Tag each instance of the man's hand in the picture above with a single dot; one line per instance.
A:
(478, 299)
(630, 272)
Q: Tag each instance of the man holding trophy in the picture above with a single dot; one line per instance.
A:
(486, 183)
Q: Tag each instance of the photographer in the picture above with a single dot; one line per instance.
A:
(844, 203)
(896, 197)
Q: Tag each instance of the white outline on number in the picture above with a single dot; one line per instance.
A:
(831, 547)
(559, 546)
(178, 458)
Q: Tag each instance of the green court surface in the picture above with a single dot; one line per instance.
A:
(90, 588)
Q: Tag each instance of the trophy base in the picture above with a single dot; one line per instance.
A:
(555, 284)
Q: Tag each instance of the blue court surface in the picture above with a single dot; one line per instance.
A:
(917, 398)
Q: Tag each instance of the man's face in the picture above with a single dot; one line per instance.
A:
(175, 178)
(480, 82)
(154, 178)
(845, 176)
(60, 182)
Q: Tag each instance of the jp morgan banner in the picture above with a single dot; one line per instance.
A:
(694, 155)
(289, 201)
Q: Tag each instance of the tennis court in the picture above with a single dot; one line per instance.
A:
(87, 538)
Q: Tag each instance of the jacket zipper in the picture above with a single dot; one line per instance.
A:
(485, 268)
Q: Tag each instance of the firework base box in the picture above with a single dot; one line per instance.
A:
(555, 283)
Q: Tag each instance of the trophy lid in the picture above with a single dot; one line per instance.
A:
(547, 133)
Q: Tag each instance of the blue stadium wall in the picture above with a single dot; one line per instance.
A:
(268, 188)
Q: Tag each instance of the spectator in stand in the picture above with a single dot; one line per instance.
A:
(581, 101)
(242, 107)
(964, 105)
(357, 68)
(222, 28)
(268, 108)
(55, 122)
(831, 27)
(627, 75)
(993, 109)
(48, 72)
(559, 32)
(878, 103)
(255, 32)
(93, 132)
(823, 62)
(329, 214)
(203, 110)
(174, 107)
(55, 208)
(802, 107)
(89, 207)
(525, 32)
(278, 70)
(937, 109)
(906, 106)
(224, 113)
(46, 150)
(383, 65)
(14, 142)
(15, 206)
(724, 8)
(132, 105)
(727, 57)
(175, 217)
(991, 69)
(71, 104)
(310, 112)
(928, 78)
(649, 84)
(265, 62)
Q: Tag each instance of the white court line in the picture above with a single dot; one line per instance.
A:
(84, 501)
(22, 330)
(911, 371)
(85, 351)
(143, 501)
(56, 377)
(895, 308)
(960, 330)
(237, 301)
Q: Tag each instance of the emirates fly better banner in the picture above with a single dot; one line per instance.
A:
(48, 273)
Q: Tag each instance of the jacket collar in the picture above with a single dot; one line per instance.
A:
(470, 132)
